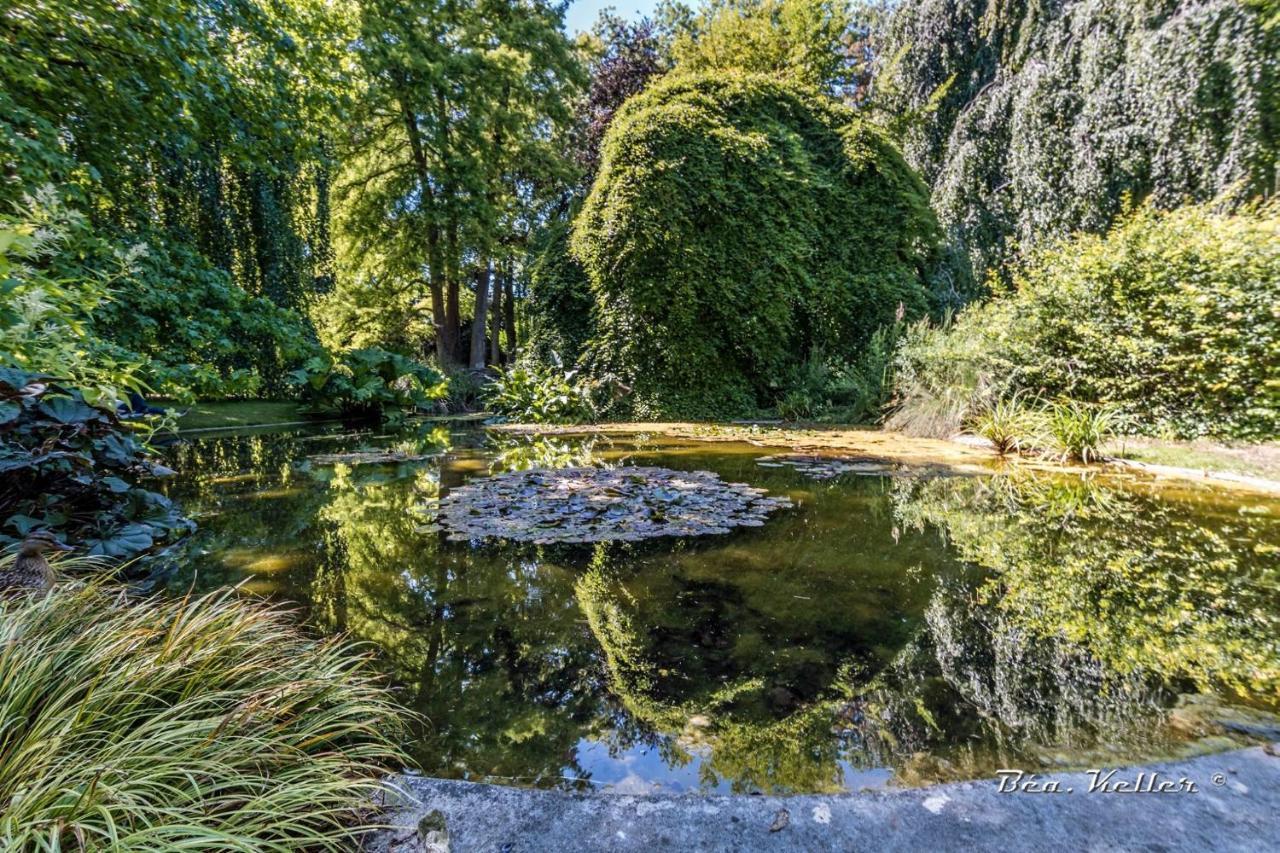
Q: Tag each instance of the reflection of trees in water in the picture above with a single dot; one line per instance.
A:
(486, 646)
(1180, 589)
(1060, 622)
(1068, 649)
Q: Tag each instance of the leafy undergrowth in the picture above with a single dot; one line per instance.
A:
(200, 723)
(74, 468)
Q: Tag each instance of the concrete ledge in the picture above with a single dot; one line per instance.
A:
(1235, 807)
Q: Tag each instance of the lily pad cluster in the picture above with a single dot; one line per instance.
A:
(578, 505)
(827, 467)
(369, 457)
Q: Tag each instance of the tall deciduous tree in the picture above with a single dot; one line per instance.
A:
(460, 109)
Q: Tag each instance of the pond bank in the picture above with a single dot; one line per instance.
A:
(970, 455)
(1234, 807)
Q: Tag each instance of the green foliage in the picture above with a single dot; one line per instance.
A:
(196, 126)
(1020, 130)
(807, 41)
(1078, 430)
(45, 317)
(208, 723)
(74, 468)
(479, 97)
(367, 382)
(197, 333)
(739, 225)
(1009, 423)
(1170, 317)
(560, 303)
(541, 394)
(111, 320)
(839, 391)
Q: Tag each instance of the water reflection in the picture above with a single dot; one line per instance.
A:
(905, 629)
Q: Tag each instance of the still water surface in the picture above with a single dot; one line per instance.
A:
(901, 629)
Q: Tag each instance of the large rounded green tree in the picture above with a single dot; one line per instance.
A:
(738, 226)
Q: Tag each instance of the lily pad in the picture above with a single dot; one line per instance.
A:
(827, 467)
(577, 505)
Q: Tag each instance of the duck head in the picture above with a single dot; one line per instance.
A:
(39, 543)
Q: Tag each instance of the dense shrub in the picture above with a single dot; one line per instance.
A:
(198, 723)
(71, 467)
(737, 226)
(368, 382)
(1171, 317)
(541, 394)
(111, 317)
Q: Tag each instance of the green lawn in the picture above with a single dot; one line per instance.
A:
(1254, 460)
(240, 413)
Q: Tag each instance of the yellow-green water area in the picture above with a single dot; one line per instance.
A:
(921, 624)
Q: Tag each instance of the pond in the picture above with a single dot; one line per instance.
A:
(892, 627)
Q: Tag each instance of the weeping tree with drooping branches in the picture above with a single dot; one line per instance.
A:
(1031, 119)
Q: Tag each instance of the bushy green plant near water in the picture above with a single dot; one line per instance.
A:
(197, 723)
(738, 226)
(1009, 423)
(1077, 431)
(541, 394)
(71, 467)
(1170, 318)
(368, 382)
(840, 391)
(110, 319)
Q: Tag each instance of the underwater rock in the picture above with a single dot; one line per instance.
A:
(576, 505)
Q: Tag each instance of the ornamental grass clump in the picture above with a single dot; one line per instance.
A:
(1077, 431)
(198, 723)
(1008, 423)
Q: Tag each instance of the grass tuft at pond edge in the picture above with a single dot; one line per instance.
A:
(205, 722)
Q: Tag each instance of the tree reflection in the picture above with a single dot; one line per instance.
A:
(942, 628)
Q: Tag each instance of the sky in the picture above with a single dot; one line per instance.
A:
(582, 13)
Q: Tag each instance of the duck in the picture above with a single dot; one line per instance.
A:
(29, 569)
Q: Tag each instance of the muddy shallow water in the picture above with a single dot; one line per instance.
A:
(893, 627)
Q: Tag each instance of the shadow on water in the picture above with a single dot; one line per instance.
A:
(887, 630)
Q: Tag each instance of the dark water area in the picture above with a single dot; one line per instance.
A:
(886, 630)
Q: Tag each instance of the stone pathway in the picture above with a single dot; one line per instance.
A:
(1235, 807)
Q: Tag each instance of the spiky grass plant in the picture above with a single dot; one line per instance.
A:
(1077, 431)
(197, 723)
(1009, 423)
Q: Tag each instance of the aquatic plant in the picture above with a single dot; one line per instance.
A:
(207, 722)
(576, 505)
(828, 467)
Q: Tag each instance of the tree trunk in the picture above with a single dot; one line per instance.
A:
(452, 317)
(435, 263)
(481, 321)
(495, 312)
(509, 307)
